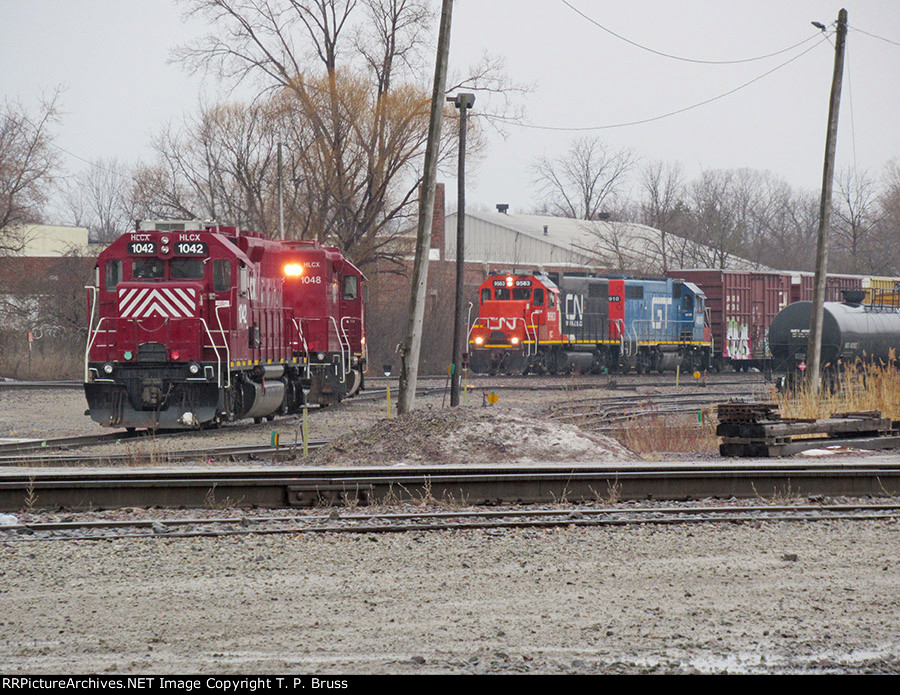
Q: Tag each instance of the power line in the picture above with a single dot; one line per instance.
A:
(682, 58)
(670, 113)
(875, 36)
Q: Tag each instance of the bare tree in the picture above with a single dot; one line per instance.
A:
(856, 221)
(889, 217)
(345, 77)
(97, 198)
(725, 207)
(582, 181)
(662, 206)
(28, 163)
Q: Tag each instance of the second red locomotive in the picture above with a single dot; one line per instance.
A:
(192, 325)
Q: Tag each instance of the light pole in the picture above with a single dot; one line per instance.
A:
(463, 102)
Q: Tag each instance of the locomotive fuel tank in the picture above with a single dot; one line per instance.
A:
(850, 331)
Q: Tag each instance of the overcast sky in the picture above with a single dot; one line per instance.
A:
(111, 56)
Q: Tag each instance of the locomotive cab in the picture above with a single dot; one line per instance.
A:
(517, 313)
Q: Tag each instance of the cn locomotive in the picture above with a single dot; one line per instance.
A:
(851, 331)
(193, 324)
(527, 323)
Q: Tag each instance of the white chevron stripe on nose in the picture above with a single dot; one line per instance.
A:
(166, 302)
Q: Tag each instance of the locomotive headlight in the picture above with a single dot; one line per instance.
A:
(165, 240)
(479, 340)
(509, 282)
(293, 270)
(514, 341)
(321, 356)
(194, 368)
(107, 368)
(164, 249)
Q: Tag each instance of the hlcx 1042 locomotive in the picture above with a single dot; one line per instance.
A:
(193, 324)
(526, 323)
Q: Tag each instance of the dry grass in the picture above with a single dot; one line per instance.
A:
(669, 433)
(859, 388)
(51, 359)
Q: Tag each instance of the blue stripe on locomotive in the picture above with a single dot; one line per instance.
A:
(661, 311)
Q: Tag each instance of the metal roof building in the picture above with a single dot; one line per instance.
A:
(537, 240)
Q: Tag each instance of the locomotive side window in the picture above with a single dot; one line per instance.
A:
(552, 300)
(113, 275)
(501, 293)
(522, 293)
(186, 269)
(485, 295)
(539, 297)
(351, 288)
(147, 269)
(221, 275)
(688, 302)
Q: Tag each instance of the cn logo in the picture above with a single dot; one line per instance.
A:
(499, 324)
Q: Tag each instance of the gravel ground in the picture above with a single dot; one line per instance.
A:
(637, 599)
(575, 600)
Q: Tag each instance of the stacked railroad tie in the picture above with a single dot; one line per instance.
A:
(757, 429)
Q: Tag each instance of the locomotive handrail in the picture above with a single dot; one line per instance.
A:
(534, 323)
(302, 338)
(215, 348)
(346, 339)
(227, 348)
(620, 323)
(95, 293)
(647, 335)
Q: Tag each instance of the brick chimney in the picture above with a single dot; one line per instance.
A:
(438, 223)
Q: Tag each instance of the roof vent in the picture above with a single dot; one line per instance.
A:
(502, 207)
(546, 230)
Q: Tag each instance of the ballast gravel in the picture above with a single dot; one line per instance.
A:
(765, 597)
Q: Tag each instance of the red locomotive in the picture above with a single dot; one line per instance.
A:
(193, 324)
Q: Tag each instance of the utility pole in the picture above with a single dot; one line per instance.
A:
(280, 198)
(463, 102)
(410, 349)
(817, 313)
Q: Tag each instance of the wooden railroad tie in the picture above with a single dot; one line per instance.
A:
(756, 429)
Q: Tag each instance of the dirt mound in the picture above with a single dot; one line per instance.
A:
(469, 435)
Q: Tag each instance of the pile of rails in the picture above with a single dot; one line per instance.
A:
(757, 429)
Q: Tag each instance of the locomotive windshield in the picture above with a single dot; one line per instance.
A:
(186, 269)
(147, 269)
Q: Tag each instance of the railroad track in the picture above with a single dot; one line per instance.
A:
(10, 451)
(602, 414)
(457, 520)
(305, 487)
(31, 385)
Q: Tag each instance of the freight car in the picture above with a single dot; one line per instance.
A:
(742, 305)
(194, 324)
(528, 323)
(851, 331)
